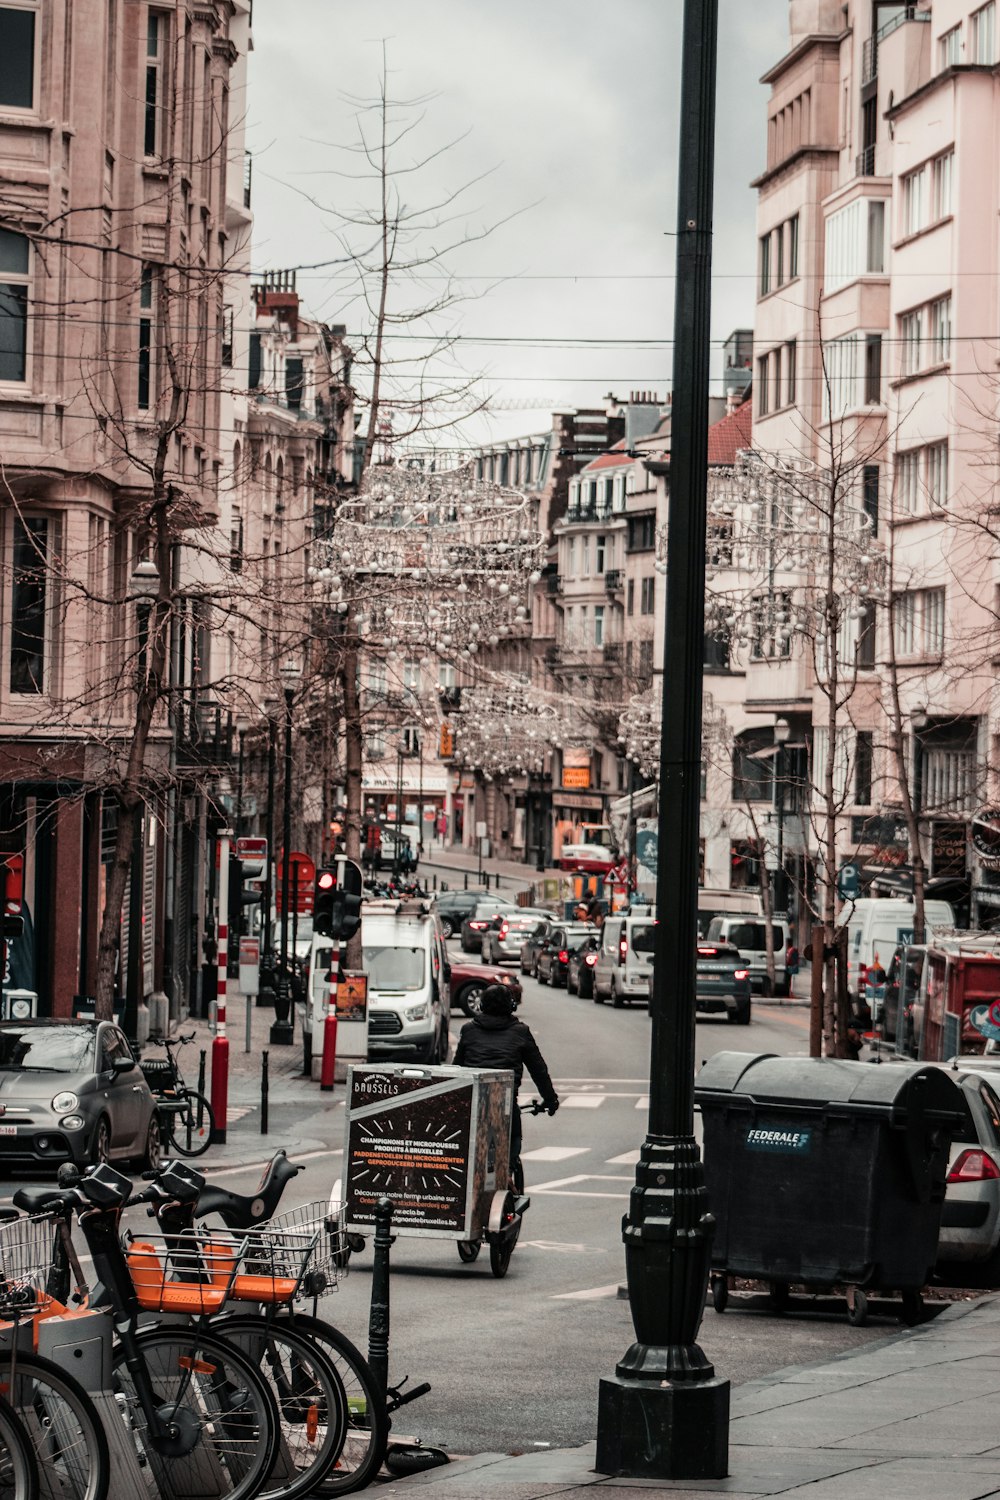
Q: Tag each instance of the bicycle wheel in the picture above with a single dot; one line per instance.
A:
(367, 1418)
(18, 1468)
(224, 1410)
(312, 1403)
(183, 1125)
(63, 1426)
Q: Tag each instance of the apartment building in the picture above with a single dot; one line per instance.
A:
(875, 362)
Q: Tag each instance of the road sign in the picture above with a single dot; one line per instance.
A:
(986, 1020)
(301, 886)
(251, 849)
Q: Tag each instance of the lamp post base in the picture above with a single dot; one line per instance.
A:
(281, 1034)
(663, 1429)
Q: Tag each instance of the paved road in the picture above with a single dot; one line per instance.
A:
(516, 1362)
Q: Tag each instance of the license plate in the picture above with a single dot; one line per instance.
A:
(8, 1130)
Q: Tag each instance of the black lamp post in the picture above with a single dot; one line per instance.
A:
(242, 729)
(281, 1030)
(664, 1415)
(397, 855)
(782, 729)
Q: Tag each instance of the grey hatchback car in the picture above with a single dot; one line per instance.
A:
(73, 1091)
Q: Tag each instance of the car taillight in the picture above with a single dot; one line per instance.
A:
(741, 973)
(707, 952)
(622, 948)
(563, 956)
(478, 926)
(504, 929)
(590, 958)
(974, 1166)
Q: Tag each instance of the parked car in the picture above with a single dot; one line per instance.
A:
(73, 1091)
(722, 982)
(749, 935)
(625, 961)
(409, 995)
(532, 945)
(553, 958)
(580, 969)
(479, 918)
(453, 907)
(970, 1215)
(503, 939)
(468, 981)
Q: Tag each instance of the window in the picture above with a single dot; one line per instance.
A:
(254, 366)
(914, 201)
(942, 171)
(865, 651)
(772, 636)
(919, 623)
(647, 606)
(789, 392)
(869, 494)
(840, 368)
(908, 482)
(147, 290)
(854, 243)
(779, 255)
(752, 773)
(983, 39)
(156, 29)
(227, 338)
(641, 533)
(411, 678)
(763, 366)
(904, 616)
(932, 601)
(873, 369)
(598, 624)
(584, 556)
(630, 596)
(793, 247)
(716, 657)
(950, 48)
(571, 557)
(937, 474)
(720, 544)
(236, 541)
(940, 330)
(864, 750)
(14, 253)
(645, 669)
(29, 605)
(600, 548)
(765, 264)
(618, 493)
(910, 330)
(17, 58)
(294, 383)
(447, 676)
(875, 261)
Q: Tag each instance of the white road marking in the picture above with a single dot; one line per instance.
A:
(582, 1101)
(627, 1159)
(642, 1102)
(554, 1153)
(562, 1248)
(567, 1182)
(592, 1294)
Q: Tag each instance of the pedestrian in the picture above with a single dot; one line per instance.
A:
(497, 1039)
(791, 963)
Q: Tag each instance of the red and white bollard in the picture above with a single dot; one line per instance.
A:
(220, 1046)
(329, 1066)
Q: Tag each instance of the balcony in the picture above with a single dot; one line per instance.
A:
(451, 697)
(864, 162)
(553, 584)
(613, 653)
(869, 56)
(614, 581)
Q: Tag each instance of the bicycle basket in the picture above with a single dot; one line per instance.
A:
(189, 1272)
(26, 1253)
(320, 1225)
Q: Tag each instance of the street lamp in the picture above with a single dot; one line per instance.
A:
(664, 1415)
(281, 1030)
(242, 730)
(782, 730)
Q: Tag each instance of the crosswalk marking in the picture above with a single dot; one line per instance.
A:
(642, 1102)
(553, 1153)
(627, 1159)
(582, 1101)
(592, 1294)
(564, 1183)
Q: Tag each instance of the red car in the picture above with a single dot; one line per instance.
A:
(469, 980)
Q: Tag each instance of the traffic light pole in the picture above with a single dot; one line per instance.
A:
(220, 1046)
(329, 1066)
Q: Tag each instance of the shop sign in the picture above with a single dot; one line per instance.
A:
(986, 837)
(949, 846)
(577, 777)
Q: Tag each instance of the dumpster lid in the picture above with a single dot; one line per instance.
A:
(819, 1081)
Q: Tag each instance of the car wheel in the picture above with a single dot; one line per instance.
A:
(471, 999)
(571, 989)
(153, 1153)
(446, 928)
(598, 997)
(100, 1146)
(617, 999)
(540, 976)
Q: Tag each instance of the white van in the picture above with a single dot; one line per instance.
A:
(624, 960)
(749, 935)
(877, 927)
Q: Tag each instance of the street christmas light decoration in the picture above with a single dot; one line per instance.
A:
(507, 727)
(639, 729)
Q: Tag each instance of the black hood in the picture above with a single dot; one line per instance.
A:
(494, 1023)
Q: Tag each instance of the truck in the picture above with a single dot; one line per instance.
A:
(957, 1006)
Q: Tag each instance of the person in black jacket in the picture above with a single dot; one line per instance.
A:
(496, 1039)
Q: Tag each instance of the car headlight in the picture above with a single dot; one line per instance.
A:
(504, 978)
(72, 1122)
(416, 1012)
(64, 1102)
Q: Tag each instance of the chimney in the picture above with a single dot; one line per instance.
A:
(277, 297)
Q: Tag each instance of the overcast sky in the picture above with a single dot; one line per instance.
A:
(571, 107)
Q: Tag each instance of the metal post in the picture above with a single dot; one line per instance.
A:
(664, 1415)
(266, 995)
(281, 1031)
(378, 1316)
(781, 885)
(220, 1046)
(399, 813)
(239, 784)
(201, 1085)
(264, 1088)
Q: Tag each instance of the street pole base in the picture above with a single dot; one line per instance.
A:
(281, 1034)
(663, 1429)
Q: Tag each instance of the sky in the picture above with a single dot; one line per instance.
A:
(563, 121)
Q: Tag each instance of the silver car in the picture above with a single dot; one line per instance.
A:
(502, 942)
(970, 1218)
(73, 1091)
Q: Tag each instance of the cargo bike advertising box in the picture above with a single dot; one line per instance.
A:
(435, 1142)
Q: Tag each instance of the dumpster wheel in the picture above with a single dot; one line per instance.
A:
(857, 1307)
(779, 1296)
(912, 1311)
(720, 1293)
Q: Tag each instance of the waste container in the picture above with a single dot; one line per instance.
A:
(824, 1173)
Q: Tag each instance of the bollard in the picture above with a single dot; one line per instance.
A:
(263, 1092)
(434, 882)
(201, 1088)
(328, 1068)
(220, 1046)
(307, 1047)
(378, 1317)
(466, 880)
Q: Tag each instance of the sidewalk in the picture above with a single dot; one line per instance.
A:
(912, 1418)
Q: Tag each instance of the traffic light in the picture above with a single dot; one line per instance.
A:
(337, 907)
(239, 899)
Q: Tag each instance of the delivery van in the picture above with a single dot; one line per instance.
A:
(877, 927)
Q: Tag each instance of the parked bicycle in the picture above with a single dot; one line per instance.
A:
(186, 1117)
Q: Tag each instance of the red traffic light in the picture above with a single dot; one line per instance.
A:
(326, 880)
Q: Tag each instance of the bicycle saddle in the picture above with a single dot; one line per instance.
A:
(242, 1211)
(40, 1200)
